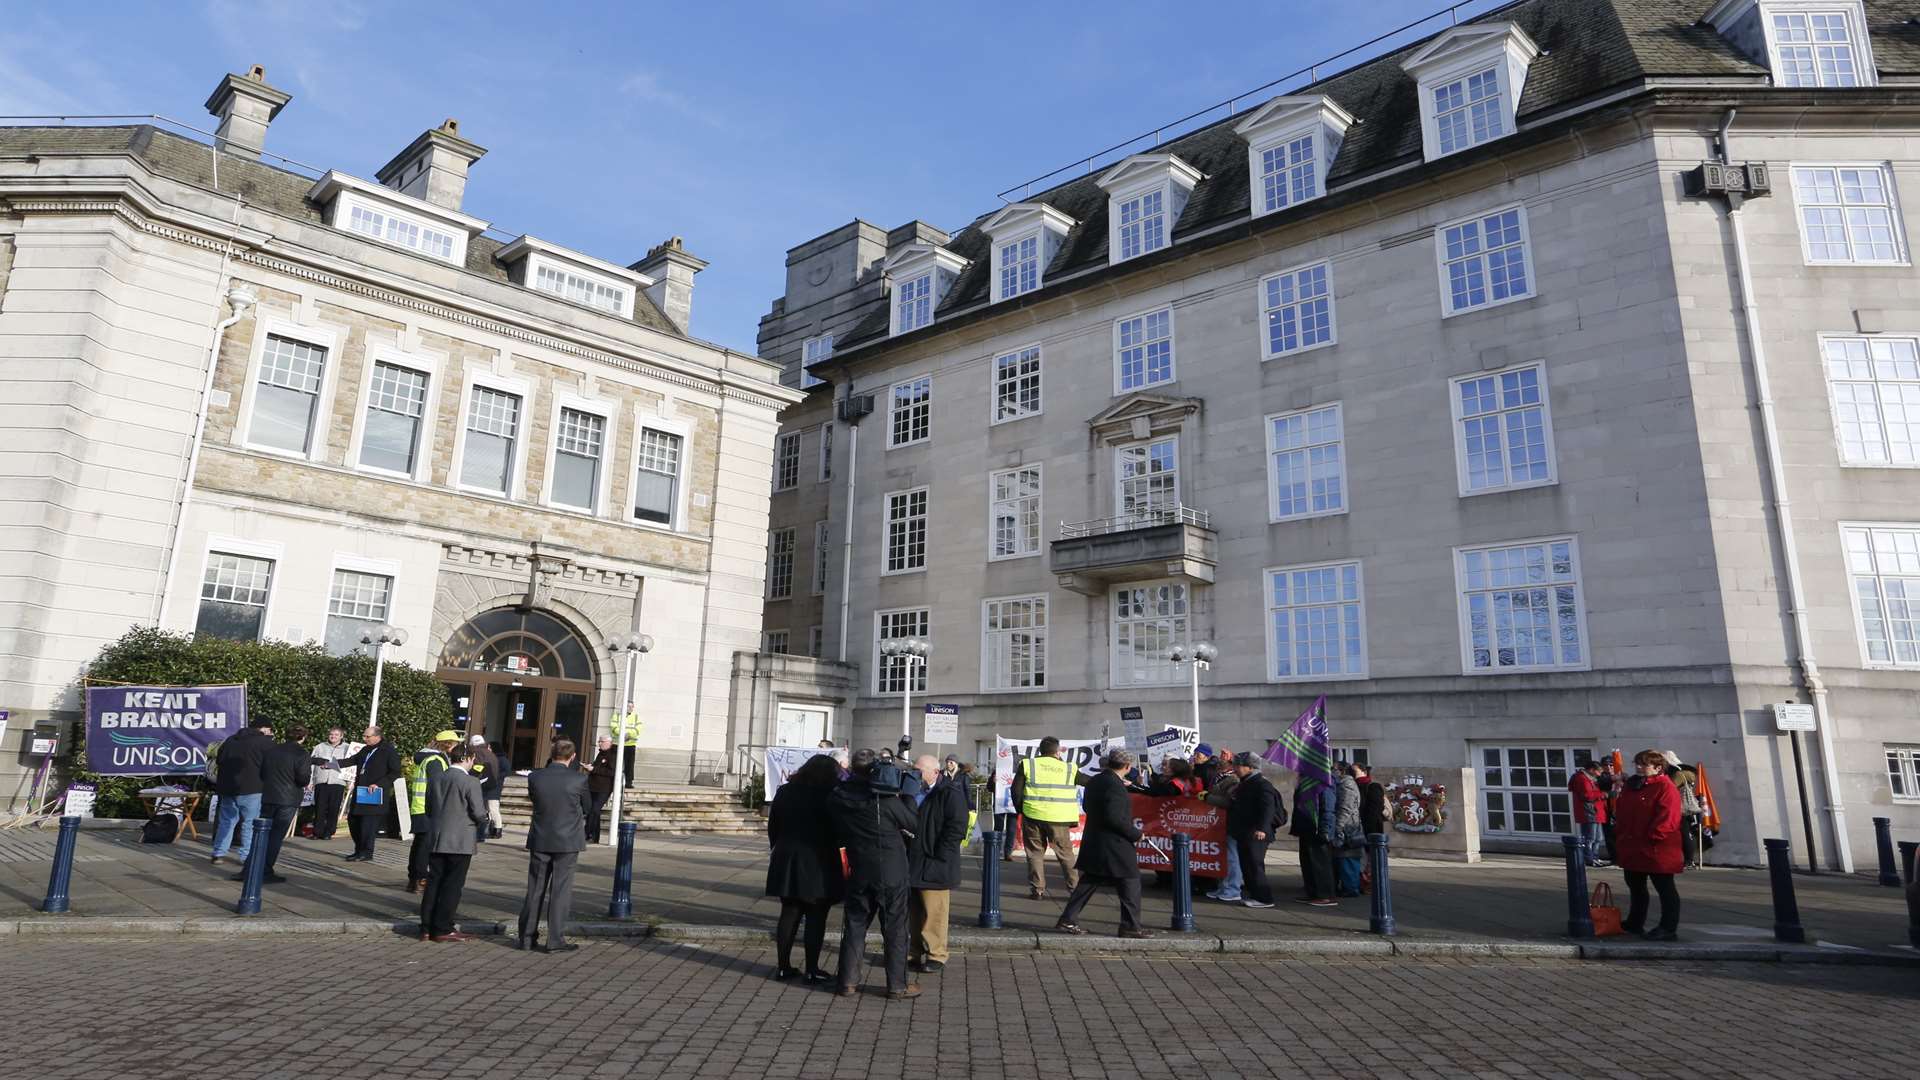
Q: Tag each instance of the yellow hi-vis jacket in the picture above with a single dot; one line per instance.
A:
(1047, 790)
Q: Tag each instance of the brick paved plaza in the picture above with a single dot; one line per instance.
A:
(386, 1006)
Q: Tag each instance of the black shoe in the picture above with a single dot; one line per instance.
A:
(1136, 935)
(1069, 928)
(1659, 934)
(495, 834)
(568, 947)
(933, 967)
(241, 876)
(218, 859)
(817, 976)
(785, 973)
(524, 944)
(275, 879)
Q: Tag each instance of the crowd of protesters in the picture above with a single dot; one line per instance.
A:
(1650, 824)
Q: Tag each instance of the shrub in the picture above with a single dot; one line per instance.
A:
(287, 684)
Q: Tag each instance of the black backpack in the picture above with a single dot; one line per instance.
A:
(160, 829)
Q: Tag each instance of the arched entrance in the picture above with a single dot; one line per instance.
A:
(528, 679)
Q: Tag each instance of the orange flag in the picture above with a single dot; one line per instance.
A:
(1711, 817)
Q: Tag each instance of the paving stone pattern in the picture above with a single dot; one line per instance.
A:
(481, 1010)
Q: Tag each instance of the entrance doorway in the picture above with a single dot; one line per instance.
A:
(529, 680)
(801, 725)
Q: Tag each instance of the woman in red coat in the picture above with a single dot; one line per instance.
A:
(1646, 825)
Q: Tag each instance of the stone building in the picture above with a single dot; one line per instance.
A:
(1451, 386)
(508, 449)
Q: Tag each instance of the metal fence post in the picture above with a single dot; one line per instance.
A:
(61, 880)
(1786, 912)
(1579, 911)
(1182, 881)
(621, 906)
(990, 881)
(1883, 840)
(256, 869)
(1381, 919)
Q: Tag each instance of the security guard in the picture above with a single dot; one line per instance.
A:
(626, 734)
(1043, 790)
(426, 762)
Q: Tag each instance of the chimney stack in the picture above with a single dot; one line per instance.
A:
(245, 105)
(672, 270)
(434, 166)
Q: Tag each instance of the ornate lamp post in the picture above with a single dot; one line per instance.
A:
(380, 637)
(1200, 654)
(626, 648)
(908, 651)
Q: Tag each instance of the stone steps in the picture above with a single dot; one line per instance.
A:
(683, 811)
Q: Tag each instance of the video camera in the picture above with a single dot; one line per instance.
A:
(885, 777)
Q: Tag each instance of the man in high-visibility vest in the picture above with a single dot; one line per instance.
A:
(428, 761)
(626, 732)
(1043, 793)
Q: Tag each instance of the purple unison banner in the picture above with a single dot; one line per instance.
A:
(159, 730)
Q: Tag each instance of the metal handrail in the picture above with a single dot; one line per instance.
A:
(1146, 519)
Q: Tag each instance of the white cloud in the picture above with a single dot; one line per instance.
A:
(647, 86)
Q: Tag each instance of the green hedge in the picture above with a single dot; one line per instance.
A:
(288, 684)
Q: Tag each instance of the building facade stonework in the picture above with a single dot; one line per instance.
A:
(1427, 386)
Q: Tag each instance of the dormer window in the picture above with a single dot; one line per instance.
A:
(549, 268)
(401, 221)
(919, 275)
(1145, 195)
(1290, 143)
(1470, 81)
(1025, 238)
(1805, 43)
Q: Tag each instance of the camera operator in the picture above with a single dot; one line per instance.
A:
(874, 824)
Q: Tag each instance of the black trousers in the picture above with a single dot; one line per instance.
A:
(1636, 919)
(549, 891)
(326, 809)
(1253, 868)
(280, 819)
(791, 912)
(446, 878)
(599, 812)
(626, 767)
(1127, 888)
(1008, 838)
(365, 829)
(889, 903)
(1316, 868)
(419, 853)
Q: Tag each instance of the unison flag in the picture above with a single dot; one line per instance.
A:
(1303, 747)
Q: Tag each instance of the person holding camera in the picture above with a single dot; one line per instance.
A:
(874, 824)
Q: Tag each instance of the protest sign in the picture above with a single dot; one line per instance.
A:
(784, 761)
(1172, 742)
(1206, 824)
(79, 802)
(159, 730)
(943, 724)
(1134, 720)
(1082, 754)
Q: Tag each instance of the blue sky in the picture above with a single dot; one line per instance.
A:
(746, 129)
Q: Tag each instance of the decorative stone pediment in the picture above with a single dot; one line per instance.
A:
(1141, 416)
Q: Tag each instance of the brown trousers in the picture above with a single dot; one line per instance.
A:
(929, 908)
(1041, 836)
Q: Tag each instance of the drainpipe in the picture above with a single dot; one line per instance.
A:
(846, 542)
(1789, 551)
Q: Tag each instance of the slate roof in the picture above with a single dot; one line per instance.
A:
(271, 187)
(1588, 47)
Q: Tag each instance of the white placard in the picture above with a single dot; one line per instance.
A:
(1134, 720)
(1174, 741)
(943, 724)
(79, 801)
(784, 761)
(1083, 753)
(1788, 716)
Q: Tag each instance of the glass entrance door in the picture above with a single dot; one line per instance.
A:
(513, 721)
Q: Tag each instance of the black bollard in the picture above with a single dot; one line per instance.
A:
(989, 881)
(1786, 912)
(1579, 910)
(1182, 881)
(621, 906)
(1883, 840)
(60, 881)
(255, 870)
(1909, 852)
(1381, 920)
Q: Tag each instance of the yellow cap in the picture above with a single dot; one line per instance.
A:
(447, 736)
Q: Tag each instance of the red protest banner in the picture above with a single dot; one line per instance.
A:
(1160, 818)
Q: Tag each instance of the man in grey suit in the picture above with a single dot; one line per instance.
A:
(456, 813)
(554, 842)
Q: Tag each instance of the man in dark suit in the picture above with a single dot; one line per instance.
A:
(369, 801)
(1107, 854)
(1252, 819)
(554, 842)
(285, 772)
(456, 813)
(874, 823)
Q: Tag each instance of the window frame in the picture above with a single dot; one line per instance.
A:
(348, 198)
(1119, 479)
(419, 364)
(1274, 517)
(642, 421)
(1477, 762)
(626, 290)
(1463, 619)
(825, 463)
(767, 642)
(609, 449)
(886, 527)
(1903, 255)
(1853, 594)
(1043, 635)
(1833, 401)
(1018, 353)
(1113, 632)
(1267, 605)
(816, 641)
(881, 664)
(781, 441)
(1265, 321)
(1907, 756)
(998, 265)
(822, 553)
(813, 350)
(272, 553)
(1866, 72)
(773, 559)
(894, 409)
(1284, 140)
(320, 337)
(1039, 510)
(894, 301)
(354, 564)
(1118, 202)
(1502, 96)
(1447, 310)
(1173, 351)
(1458, 420)
(517, 463)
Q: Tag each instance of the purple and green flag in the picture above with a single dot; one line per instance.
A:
(1303, 748)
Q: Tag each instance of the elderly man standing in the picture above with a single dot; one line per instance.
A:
(933, 866)
(378, 766)
(554, 842)
(1107, 852)
(600, 786)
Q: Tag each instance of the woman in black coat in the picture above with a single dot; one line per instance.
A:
(805, 869)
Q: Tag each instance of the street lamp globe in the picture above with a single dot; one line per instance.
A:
(1205, 651)
(890, 647)
(644, 643)
(1178, 654)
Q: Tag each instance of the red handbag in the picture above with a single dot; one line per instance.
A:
(1603, 912)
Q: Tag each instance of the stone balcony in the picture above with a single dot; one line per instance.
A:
(1091, 556)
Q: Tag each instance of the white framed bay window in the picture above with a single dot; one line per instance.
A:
(1503, 430)
(1883, 568)
(1306, 464)
(906, 531)
(1013, 644)
(1316, 622)
(1013, 513)
(660, 473)
(290, 394)
(1484, 261)
(395, 425)
(891, 676)
(1849, 214)
(577, 452)
(1145, 620)
(1521, 607)
(491, 450)
(1875, 386)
